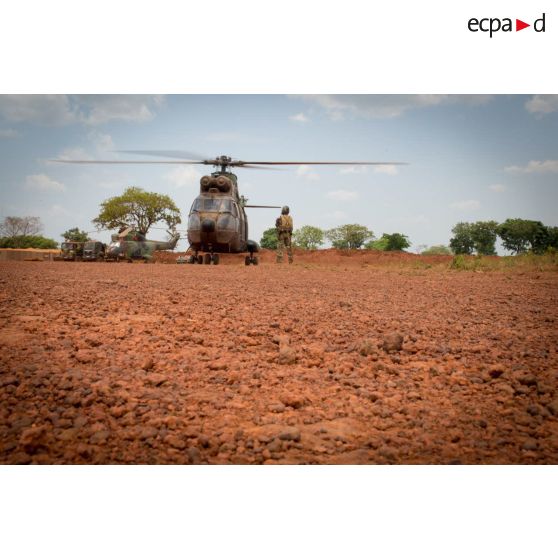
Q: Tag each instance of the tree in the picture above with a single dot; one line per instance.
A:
(28, 241)
(138, 209)
(269, 239)
(379, 244)
(462, 242)
(438, 250)
(349, 236)
(308, 237)
(395, 242)
(552, 237)
(483, 234)
(20, 226)
(75, 235)
(520, 235)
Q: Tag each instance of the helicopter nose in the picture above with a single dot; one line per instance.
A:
(208, 226)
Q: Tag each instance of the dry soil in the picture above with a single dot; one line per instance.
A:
(323, 361)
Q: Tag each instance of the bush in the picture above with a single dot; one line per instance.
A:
(39, 242)
(349, 236)
(438, 250)
(269, 239)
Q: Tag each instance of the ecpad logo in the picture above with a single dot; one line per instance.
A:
(493, 25)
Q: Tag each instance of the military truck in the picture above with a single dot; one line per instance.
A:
(71, 251)
(93, 250)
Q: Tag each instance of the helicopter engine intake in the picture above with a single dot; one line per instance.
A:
(217, 183)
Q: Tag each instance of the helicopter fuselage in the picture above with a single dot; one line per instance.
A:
(217, 220)
(135, 246)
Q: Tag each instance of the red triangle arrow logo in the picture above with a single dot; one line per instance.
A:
(519, 25)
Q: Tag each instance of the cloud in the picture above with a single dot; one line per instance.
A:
(306, 172)
(184, 176)
(101, 142)
(542, 104)
(9, 133)
(98, 109)
(497, 188)
(535, 167)
(386, 169)
(40, 109)
(465, 205)
(42, 183)
(300, 117)
(342, 195)
(59, 110)
(357, 169)
(386, 106)
(73, 153)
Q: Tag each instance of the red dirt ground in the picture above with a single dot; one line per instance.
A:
(333, 359)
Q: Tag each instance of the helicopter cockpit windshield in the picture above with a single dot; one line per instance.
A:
(213, 204)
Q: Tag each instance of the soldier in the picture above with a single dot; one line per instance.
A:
(284, 226)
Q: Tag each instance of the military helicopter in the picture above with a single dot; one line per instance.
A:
(217, 221)
(129, 245)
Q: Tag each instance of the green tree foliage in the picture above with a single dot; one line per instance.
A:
(378, 244)
(438, 250)
(269, 239)
(462, 241)
(349, 236)
(308, 237)
(552, 233)
(138, 209)
(521, 235)
(75, 235)
(28, 241)
(390, 243)
(20, 226)
(483, 234)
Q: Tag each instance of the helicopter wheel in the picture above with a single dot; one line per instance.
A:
(255, 260)
(207, 259)
(200, 259)
(215, 259)
(247, 260)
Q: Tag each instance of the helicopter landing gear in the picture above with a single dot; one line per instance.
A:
(211, 259)
(251, 260)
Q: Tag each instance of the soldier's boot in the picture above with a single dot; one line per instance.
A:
(290, 260)
(278, 260)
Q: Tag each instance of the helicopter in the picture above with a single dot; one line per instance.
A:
(130, 245)
(217, 221)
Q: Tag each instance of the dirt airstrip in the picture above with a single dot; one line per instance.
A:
(334, 359)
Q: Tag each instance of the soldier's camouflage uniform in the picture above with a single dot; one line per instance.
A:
(284, 226)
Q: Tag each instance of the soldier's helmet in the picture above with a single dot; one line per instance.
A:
(285, 210)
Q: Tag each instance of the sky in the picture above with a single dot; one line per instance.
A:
(470, 157)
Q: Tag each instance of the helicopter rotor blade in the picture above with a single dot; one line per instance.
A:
(116, 162)
(257, 167)
(245, 163)
(265, 206)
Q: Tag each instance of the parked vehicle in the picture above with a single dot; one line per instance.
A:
(71, 251)
(93, 250)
